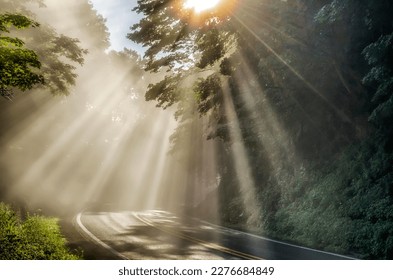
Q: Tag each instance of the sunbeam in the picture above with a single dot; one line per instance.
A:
(271, 134)
(246, 182)
(339, 112)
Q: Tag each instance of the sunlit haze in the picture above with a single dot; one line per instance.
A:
(200, 5)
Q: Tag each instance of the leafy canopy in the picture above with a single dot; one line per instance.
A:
(189, 46)
(17, 63)
(52, 57)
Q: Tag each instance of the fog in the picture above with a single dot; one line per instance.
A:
(101, 146)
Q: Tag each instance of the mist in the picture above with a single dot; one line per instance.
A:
(101, 145)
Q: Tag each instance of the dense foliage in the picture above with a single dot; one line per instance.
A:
(42, 57)
(16, 62)
(310, 82)
(35, 238)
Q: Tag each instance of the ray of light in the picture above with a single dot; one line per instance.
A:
(242, 165)
(70, 171)
(339, 112)
(149, 163)
(266, 20)
(270, 132)
(76, 129)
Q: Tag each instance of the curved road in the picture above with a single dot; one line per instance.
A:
(160, 235)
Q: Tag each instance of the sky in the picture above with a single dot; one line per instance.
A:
(119, 17)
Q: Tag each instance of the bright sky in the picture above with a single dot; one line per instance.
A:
(119, 19)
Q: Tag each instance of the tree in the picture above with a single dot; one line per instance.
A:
(52, 55)
(16, 61)
(171, 32)
(370, 32)
(82, 21)
(369, 174)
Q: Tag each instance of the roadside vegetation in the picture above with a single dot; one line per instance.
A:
(33, 238)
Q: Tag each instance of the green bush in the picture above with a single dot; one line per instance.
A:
(35, 238)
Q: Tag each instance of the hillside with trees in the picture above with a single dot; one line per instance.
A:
(303, 88)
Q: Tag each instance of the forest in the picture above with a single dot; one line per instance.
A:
(271, 117)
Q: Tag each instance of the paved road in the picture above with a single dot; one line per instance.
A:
(150, 235)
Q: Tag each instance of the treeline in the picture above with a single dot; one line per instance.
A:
(305, 89)
(332, 95)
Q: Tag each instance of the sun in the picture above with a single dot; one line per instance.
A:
(200, 5)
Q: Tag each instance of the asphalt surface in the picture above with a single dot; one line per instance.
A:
(150, 235)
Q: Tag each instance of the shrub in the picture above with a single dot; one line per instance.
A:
(35, 238)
